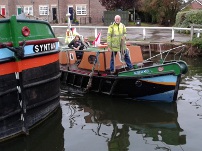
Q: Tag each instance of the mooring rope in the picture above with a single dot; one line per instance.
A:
(96, 61)
(122, 52)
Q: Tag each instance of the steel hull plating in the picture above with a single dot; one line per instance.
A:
(29, 76)
(139, 88)
(37, 94)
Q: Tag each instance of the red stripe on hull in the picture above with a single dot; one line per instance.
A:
(33, 42)
(41, 41)
(11, 67)
(7, 68)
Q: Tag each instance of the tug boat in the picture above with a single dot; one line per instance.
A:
(147, 81)
(29, 75)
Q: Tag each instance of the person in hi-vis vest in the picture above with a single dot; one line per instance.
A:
(116, 37)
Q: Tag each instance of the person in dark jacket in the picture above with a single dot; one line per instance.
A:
(77, 45)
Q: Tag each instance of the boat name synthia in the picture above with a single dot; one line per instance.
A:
(44, 47)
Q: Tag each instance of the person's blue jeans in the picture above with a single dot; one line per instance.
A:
(126, 58)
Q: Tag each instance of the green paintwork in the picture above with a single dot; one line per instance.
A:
(90, 49)
(183, 66)
(95, 49)
(14, 25)
(11, 30)
(166, 68)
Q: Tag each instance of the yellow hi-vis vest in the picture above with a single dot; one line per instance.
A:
(114, 35)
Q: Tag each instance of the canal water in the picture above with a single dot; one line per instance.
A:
(99, 123)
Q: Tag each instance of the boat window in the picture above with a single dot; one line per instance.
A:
(91, 59)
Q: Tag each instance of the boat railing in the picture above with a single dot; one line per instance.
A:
(178, 51)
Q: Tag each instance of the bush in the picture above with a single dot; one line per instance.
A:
(197, 42)
(194, 48)
(75, 21)
(186, 18)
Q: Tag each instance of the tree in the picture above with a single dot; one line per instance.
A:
(162, 11)
(118, 4)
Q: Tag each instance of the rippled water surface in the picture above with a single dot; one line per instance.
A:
(100, 123)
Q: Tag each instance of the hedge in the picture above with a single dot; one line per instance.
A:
(186, 18)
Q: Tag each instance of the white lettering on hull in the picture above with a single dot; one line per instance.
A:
(44, 47)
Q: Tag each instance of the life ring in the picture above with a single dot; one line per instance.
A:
(25, 31)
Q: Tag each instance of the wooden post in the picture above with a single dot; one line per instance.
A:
(192, 31)
(173, 34)
(144, 33)
(95, 32)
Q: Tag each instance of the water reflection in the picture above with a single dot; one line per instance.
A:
(190, 98)
(194, 64)
(125, 118)
(48, 136)
(191, 84)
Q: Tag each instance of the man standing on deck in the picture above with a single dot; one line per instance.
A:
(116, 37)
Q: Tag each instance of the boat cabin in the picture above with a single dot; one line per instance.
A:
(68, 56)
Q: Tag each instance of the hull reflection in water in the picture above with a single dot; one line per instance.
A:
(48, 136)
(154, 121)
